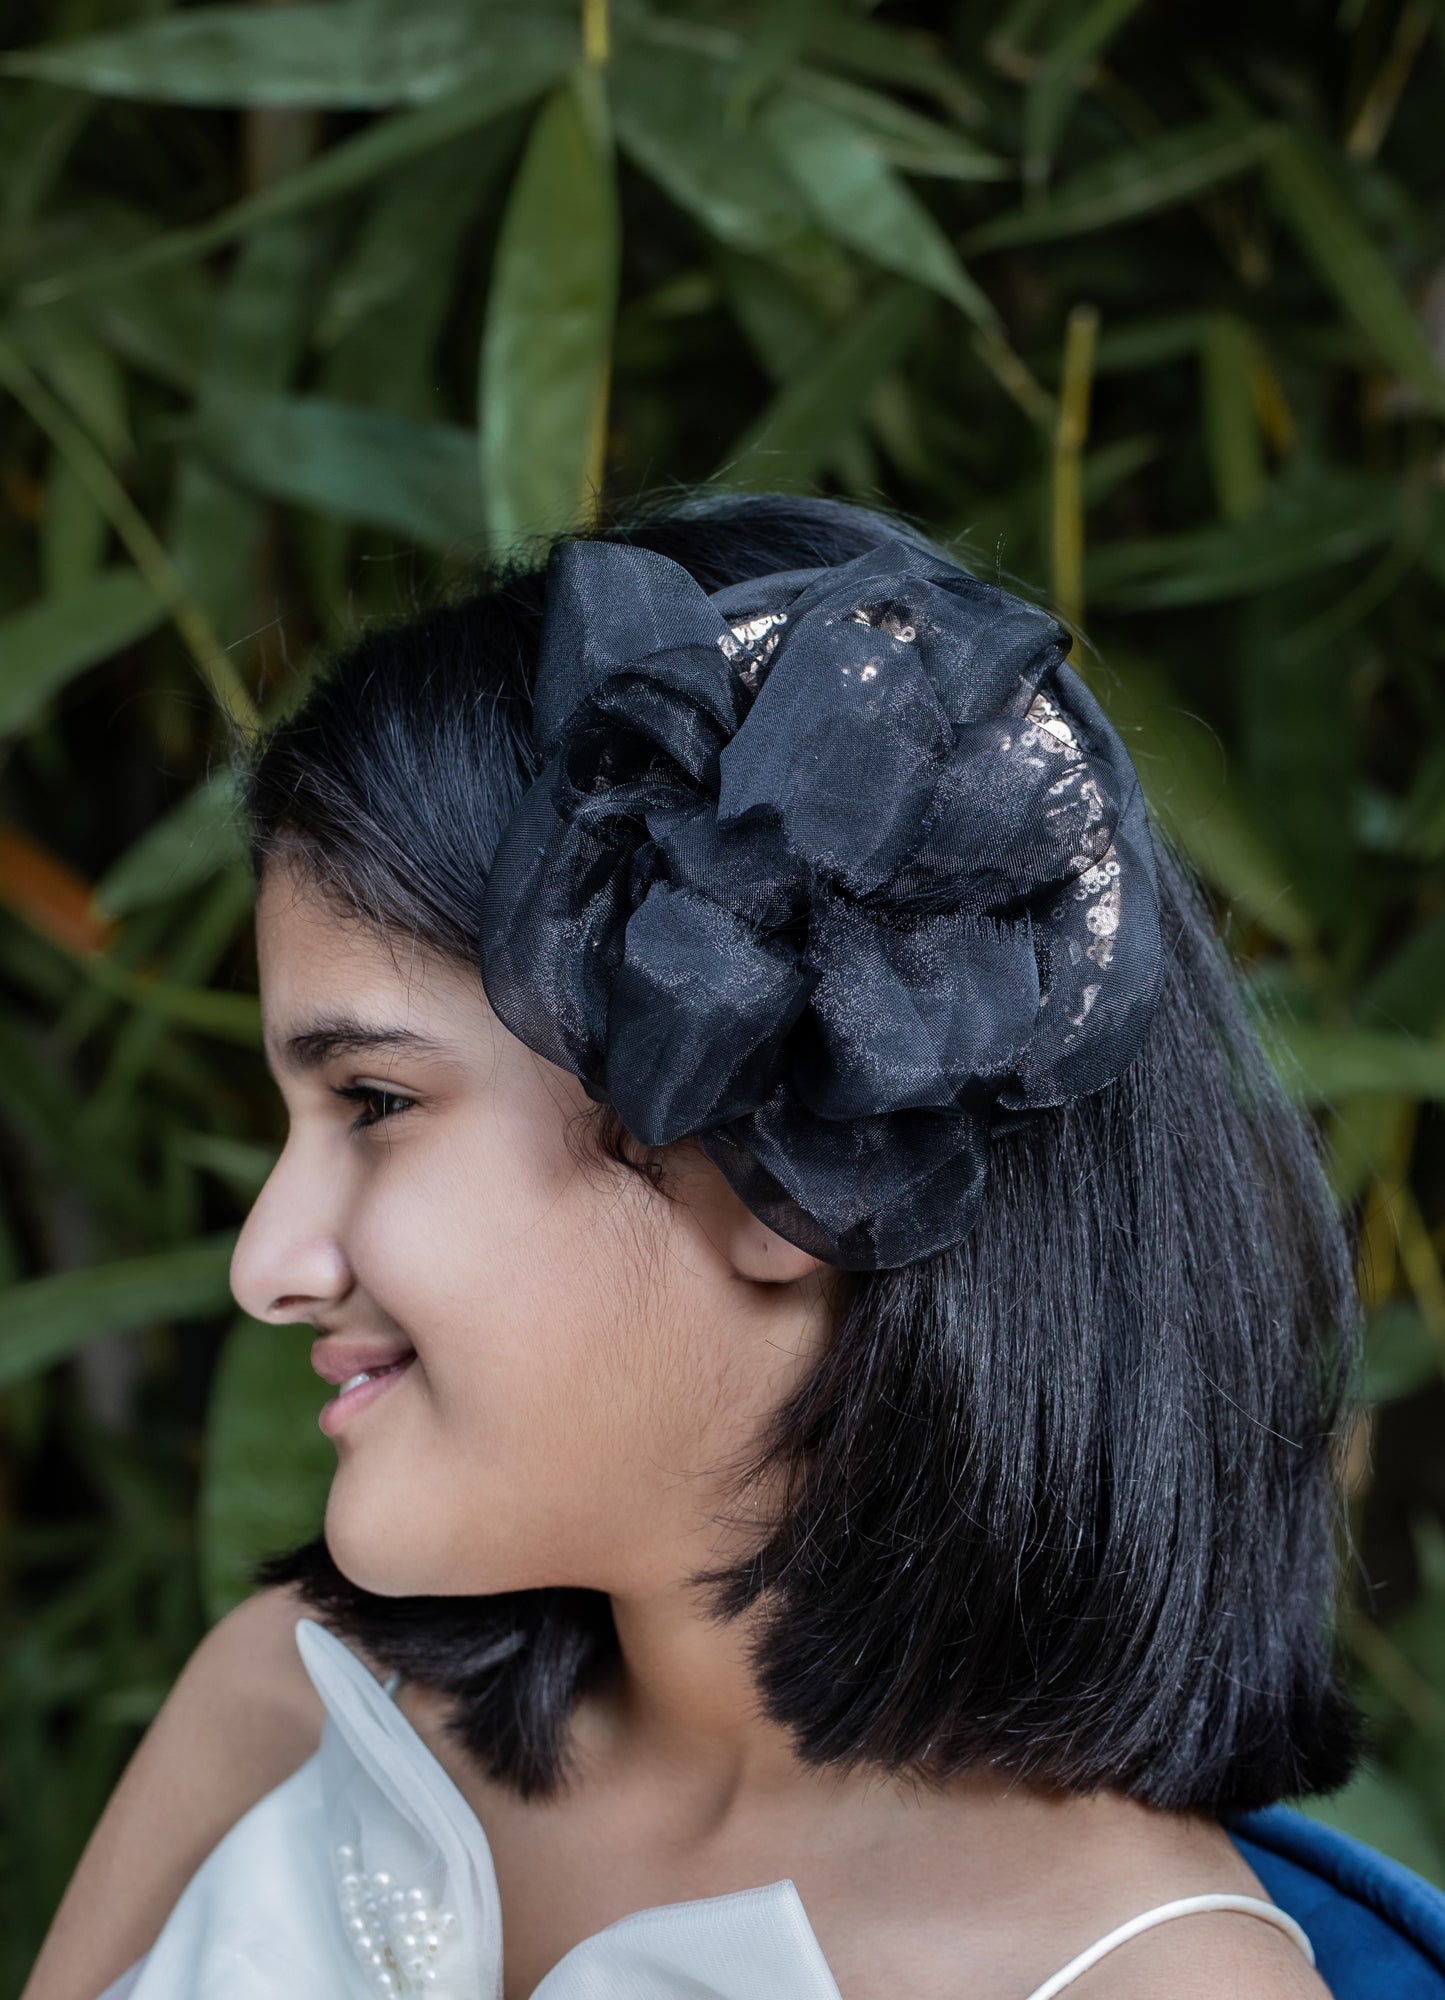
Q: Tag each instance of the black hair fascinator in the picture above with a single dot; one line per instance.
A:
(842, 870)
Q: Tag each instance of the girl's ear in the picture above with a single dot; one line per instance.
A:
(748, 1247)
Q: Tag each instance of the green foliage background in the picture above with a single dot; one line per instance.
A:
(303, 305)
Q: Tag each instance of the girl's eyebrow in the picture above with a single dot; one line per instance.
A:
(343, 1035)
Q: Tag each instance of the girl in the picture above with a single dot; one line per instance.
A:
(838, 1335)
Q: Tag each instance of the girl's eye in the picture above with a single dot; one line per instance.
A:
(369, 1096)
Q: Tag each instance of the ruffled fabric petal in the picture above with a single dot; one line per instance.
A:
(842, 750)
(697, 1018)
(865, 1193)
(616, 609)
(842, 869)
(932, 1014)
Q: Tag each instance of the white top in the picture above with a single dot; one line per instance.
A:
(366, 1873)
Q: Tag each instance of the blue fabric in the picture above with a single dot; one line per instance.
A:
(1378, 1930)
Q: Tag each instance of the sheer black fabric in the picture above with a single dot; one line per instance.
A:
(843, 870)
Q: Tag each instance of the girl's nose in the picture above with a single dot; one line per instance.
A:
(287, 1265)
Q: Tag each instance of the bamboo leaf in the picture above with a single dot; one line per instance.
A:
(257, 340)
(1182, 767)
(1407, 993)
(1336, 240)
(547, 344)
(231, 1017)
(1401, 1353)
(413, 227)
(1300, 746)
(373, 154)
(183, 848)
(1322, 1064)
(1317, 524)
(798, 431)
(349, 54)
(47, 1319)
(858, 199)
(1232, 440)
(781, 35)
(413, 479)
(1142, 180)
(268, 1466)
(670, 108)
(884, 53)
(46, 646)
(1061, 75)
(909, 141)
(73, 533)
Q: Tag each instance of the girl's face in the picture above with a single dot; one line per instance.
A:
(591, 1360)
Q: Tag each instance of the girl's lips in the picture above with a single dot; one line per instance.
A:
(341, 1408)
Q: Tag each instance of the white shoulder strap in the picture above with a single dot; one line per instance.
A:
(1186, 1906)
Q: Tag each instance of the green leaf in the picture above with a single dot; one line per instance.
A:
(547, 343)
(1407, 993)
(86, 377)
(858, 199)
(268, 1466)
(1318, 523)
(670, 109)
(348, 54)
(46, 1319)
(413, 227)
(1320, 1065)
(1401, 1353)
(1181, 766)
(418, 480)
(1148, 343)
(231, 1017)
(1142, 180)
(1300, 743)
(373, 154)
(73, 532)
(798, 432)
(388, 308)
(909, 141)
(241, 1165)
(184, 847)
(257, 339)
(900, 55)
(780, 322)
(1232, 440)
(42, 1105)
(1060, 76)
(1337, 241)
(44, 647)
(780, 37)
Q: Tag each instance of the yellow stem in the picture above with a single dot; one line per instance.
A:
(1070, 432)
(1375, 115)
(596, 37)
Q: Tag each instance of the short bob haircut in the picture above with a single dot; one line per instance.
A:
(1062, 1500)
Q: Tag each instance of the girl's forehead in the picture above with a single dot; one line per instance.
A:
(325, 974)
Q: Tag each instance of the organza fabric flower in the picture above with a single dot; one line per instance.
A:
(842, 870)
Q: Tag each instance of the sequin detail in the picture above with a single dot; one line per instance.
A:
(753, 643)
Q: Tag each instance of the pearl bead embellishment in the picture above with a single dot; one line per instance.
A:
(394, 1935)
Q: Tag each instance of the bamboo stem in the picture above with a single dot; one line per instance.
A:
(1070, 431)
(596, 35)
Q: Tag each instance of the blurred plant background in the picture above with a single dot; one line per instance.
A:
(304, 305)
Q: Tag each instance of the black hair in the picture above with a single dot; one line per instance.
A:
(1063, 1500)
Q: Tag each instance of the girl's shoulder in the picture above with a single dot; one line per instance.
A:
(241, 1716)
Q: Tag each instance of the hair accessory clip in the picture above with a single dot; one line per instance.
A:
(843, 870)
